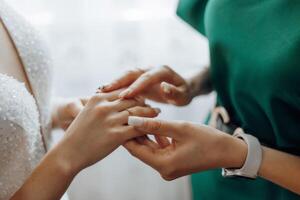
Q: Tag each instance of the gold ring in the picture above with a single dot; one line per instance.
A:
(129, 113)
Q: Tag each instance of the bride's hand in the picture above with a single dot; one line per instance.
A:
(65, 110)
(99, 129)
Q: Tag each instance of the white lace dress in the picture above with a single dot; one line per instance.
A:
(24, 119)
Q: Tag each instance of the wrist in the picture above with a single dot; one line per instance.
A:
(200, 83)
(64, 160)
(233, 153)
(192, 88)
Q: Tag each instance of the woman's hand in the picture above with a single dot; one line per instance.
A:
(159, 84)
(65, 110)
(193, 148)
(100, 128)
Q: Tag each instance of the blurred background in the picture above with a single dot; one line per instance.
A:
(94, 41)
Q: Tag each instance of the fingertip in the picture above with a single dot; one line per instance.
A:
(157, 110)
(105, 88)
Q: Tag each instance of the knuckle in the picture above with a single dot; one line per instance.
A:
(168, 177)
(140, 70)
(147, 125)
(71, 105)
(146, 76)
(101, 110)
(166, 68)
(130, 72)
(96, 98)
(106, 106)
(168, 173)
(133, 111)
(131, 151)
(127, 103)
(71, 108)
(134, 72)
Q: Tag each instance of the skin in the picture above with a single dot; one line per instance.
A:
(64, 111)
(99, 129)
(194, 147)
(94, 127)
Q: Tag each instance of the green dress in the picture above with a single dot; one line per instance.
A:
(255, 69)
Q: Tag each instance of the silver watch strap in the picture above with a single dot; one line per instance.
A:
(253, 159)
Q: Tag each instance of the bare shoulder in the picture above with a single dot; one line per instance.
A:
(10, 62)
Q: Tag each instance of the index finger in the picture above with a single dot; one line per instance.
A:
(156, 126)
(123, 81)
(100, 96)
(149, 78)
(141, 83)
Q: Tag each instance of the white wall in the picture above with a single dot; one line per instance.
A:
(94, 41)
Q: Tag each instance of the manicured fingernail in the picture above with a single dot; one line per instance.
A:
(135, 121)
(103, 87)
(157, 110)
(98, 91)
(171, 102)
(166, 88)
(124, 93)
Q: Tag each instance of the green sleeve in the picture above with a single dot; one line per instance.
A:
(192, 11)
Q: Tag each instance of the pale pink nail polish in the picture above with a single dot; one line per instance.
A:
(166, 88)
(135, 121)
(157, 110)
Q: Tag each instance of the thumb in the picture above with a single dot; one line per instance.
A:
(171, 93)
(70, 110)
(77, 107)
(155, 126)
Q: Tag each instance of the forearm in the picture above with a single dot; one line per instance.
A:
(49, 181)
(281, 168)
(200, 83)
(278, 167)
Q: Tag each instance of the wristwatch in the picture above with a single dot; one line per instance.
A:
(253, 159)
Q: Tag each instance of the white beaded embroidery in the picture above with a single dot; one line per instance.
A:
(35, 58)
(21, 146)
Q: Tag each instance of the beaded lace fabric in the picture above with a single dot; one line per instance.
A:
(23, 117)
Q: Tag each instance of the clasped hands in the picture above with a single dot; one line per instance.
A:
(120, 114)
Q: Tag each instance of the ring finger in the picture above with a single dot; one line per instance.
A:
(138, 111)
